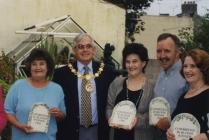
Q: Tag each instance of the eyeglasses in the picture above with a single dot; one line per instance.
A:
(81, 47)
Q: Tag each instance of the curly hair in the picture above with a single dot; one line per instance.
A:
(136, 48)
(201, 59)
(40, 54)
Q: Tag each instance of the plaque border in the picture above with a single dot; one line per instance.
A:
(161, 100)
(187, 116)
(121, 103)
(30, 116)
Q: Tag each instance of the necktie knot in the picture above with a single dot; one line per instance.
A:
(86, 69)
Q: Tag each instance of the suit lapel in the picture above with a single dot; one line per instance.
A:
(97, 80)
(74, 89)
(98, 85)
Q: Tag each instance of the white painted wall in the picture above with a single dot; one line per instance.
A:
(105, 22)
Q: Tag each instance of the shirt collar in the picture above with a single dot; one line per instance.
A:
(176, 66)
(80, 67)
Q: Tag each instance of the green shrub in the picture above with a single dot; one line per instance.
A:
(7, 77)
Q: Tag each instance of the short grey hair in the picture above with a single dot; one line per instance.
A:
(79, 37)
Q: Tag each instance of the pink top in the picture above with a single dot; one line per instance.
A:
(3, 118)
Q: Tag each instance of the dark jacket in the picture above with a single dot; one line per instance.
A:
(68, 129)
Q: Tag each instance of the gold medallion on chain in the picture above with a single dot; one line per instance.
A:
(89, 87)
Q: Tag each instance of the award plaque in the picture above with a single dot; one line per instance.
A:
(39, 118)
(123, 114)
(158, 108)
(185, 126)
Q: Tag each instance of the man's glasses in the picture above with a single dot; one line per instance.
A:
(82, 47)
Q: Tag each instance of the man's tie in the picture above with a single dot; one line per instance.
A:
(85, 102)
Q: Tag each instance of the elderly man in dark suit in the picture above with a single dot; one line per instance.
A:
(85, 83)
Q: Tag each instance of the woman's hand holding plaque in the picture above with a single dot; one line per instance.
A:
(185, 126)
(124, 115)
(57, 113)
(25, 128)
(39, 118)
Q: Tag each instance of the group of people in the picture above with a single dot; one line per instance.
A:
(82, 95)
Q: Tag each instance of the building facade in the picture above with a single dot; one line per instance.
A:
(104, 21)
(155, 25)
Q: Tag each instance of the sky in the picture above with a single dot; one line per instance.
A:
(173, 7)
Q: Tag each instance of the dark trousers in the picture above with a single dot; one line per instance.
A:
(89, 133)
(159, 134)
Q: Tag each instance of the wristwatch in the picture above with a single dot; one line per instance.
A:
(207, 134)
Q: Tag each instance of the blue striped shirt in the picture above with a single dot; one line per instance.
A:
(170, 85)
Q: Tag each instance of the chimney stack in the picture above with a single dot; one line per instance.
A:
(189, 8)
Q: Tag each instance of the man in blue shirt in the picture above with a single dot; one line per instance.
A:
(170, 84)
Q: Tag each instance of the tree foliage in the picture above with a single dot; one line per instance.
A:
(133, 4)
(201, 33)
(134, 10)
(7, 77)
(134, 24)
(197, 37)
(7, 68)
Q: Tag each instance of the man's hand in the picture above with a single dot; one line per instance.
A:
(170, 134)
(201, 136)
(163, 123)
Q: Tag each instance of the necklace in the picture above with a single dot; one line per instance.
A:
(192, 92)
(127, 96)
(86, 76)
(88, 86)
(196, 89)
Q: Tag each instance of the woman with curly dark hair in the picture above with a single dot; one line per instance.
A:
(24, 94)
(136, 88)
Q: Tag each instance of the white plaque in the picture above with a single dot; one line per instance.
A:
(158, 108)
(39, 118)
(123, 114)
(185, 126)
